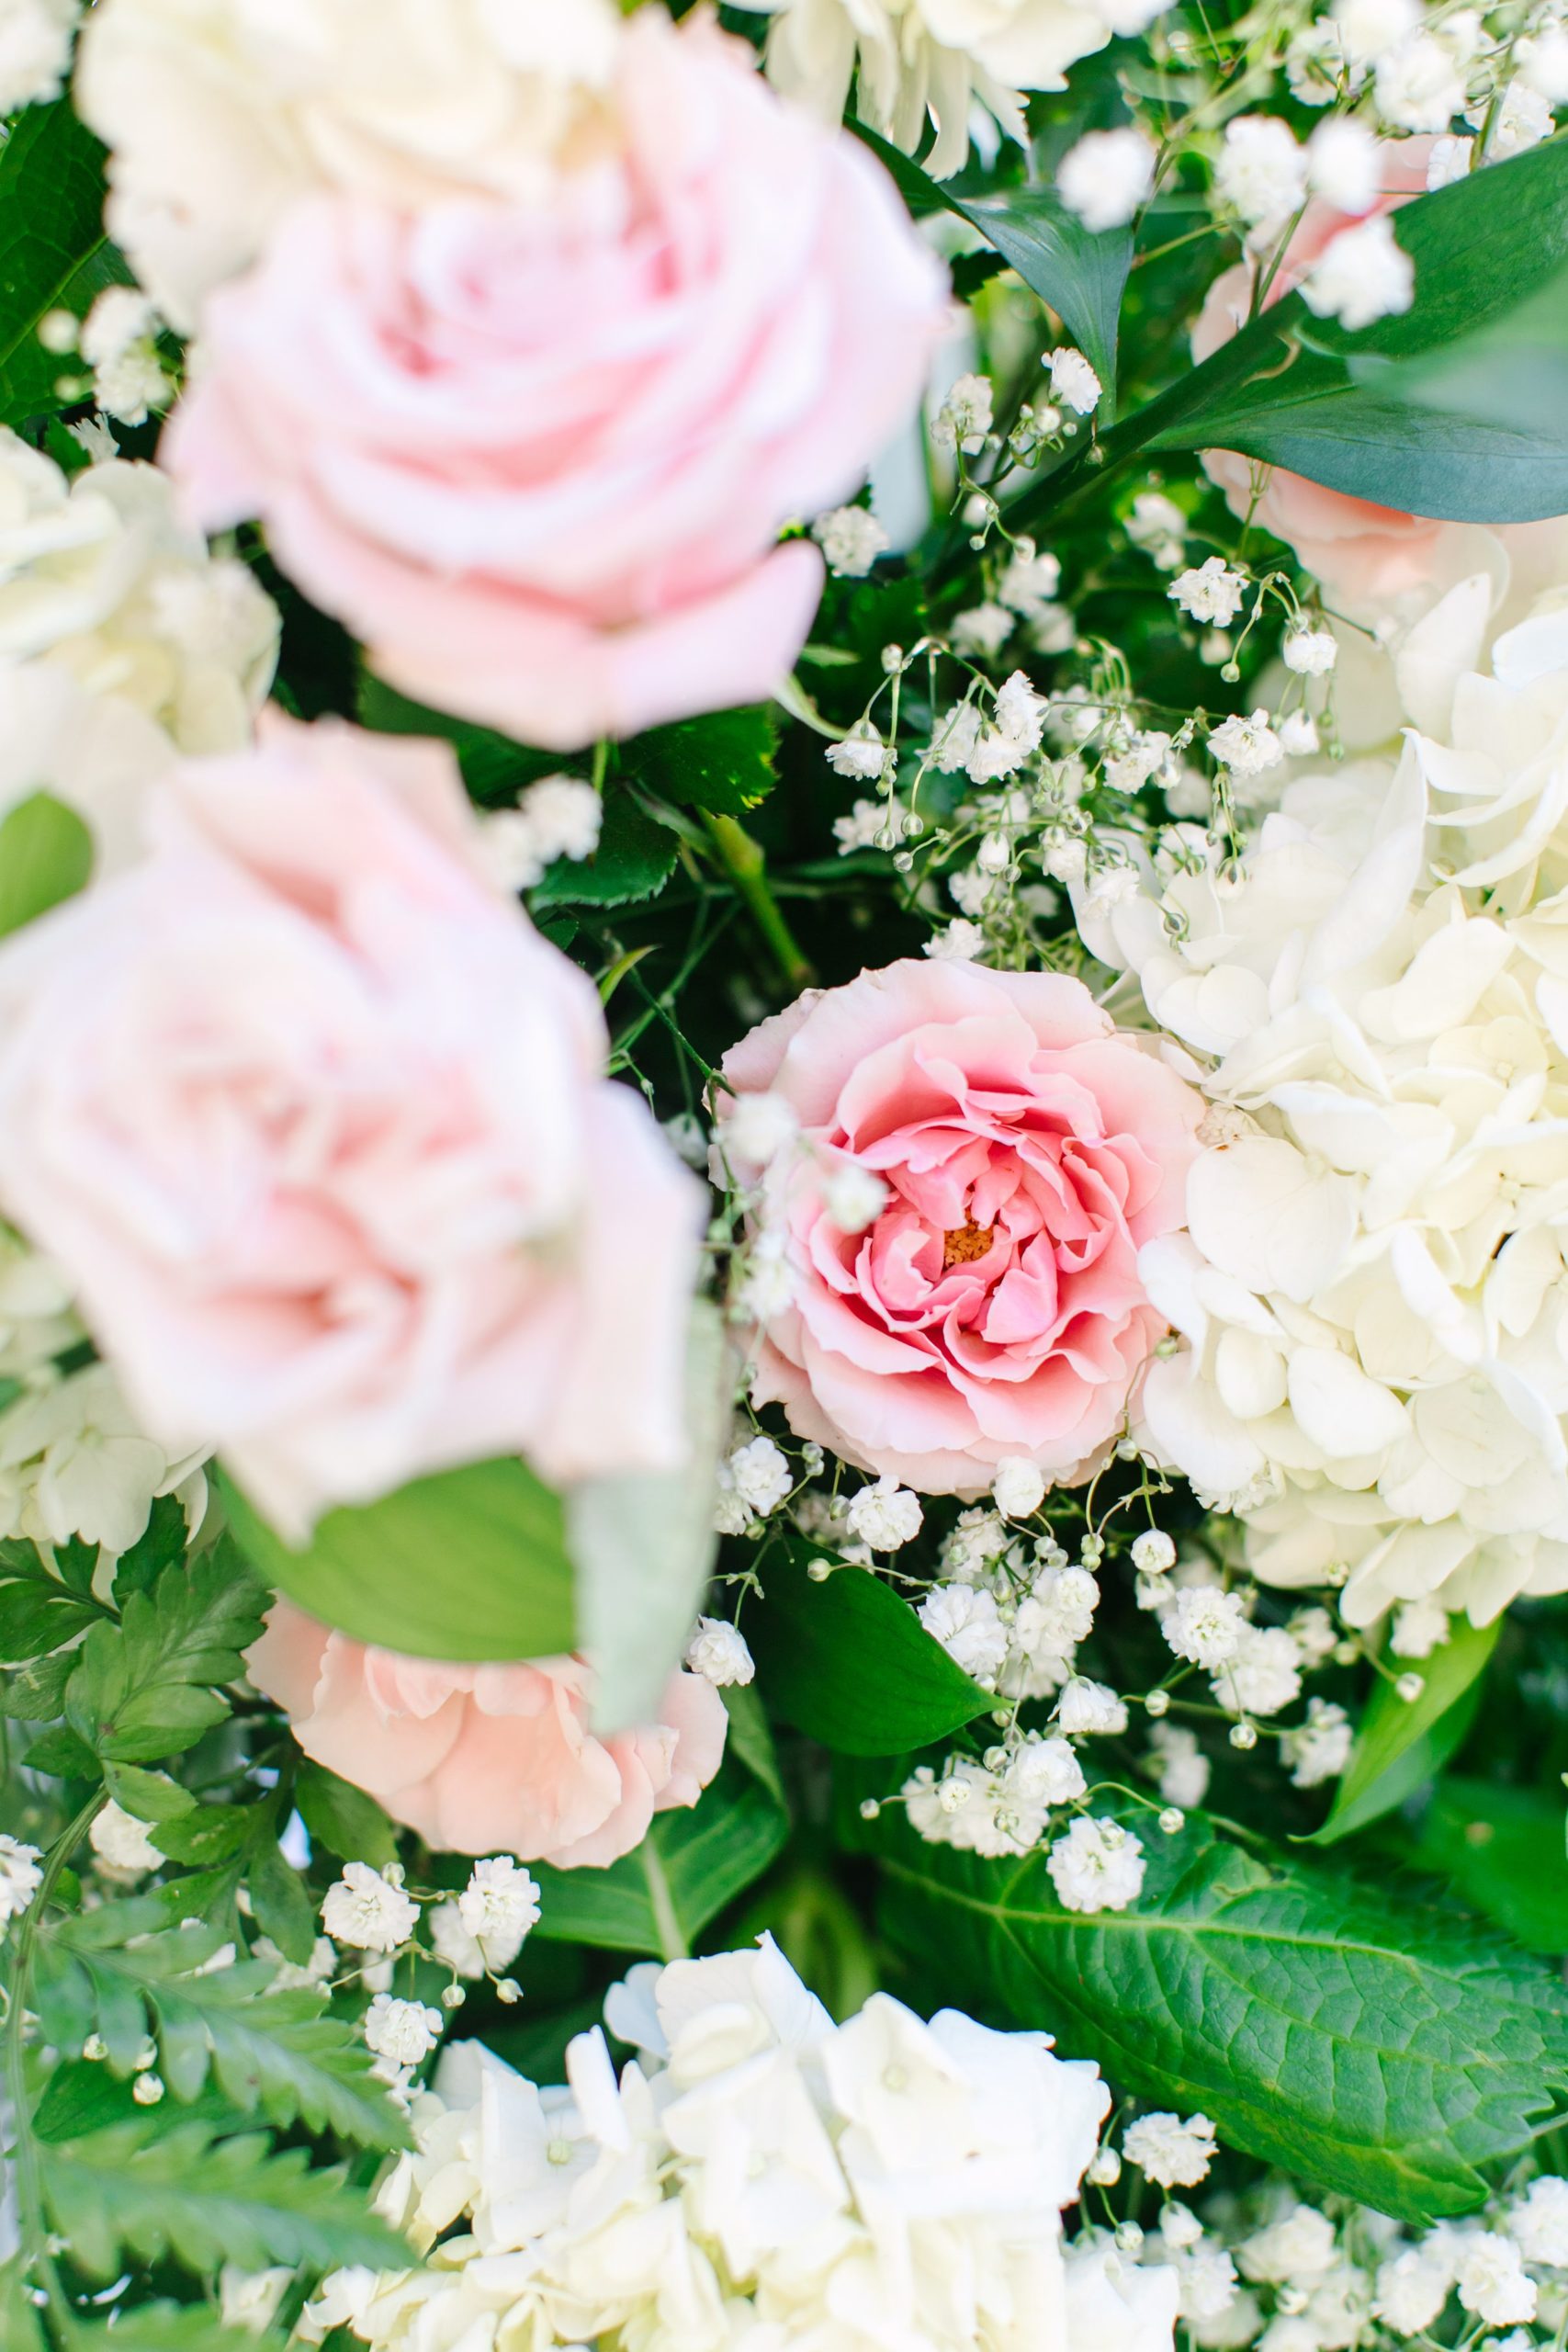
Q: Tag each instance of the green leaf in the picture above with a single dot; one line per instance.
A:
(60, 1752)
(280, 1902)
(1364, 2042)
(1400, 1745)
(466, 1564)
(812, 1641)
(209, 1834)
(643, 1545)
(154, 2190)
(1501, 1850)
(53, 253)
(723, 762)
(46, 856)
(147, 1687)
(750, 1739)
(279, 2051)
(38, 1613)
(1305, 393)
(168, 2327)
(690, 1864)
(635, 859)
(36, 1693)
(152, 1796)
(343, 1819)
(161, 1543)
(20, 2327)
(1081, 273)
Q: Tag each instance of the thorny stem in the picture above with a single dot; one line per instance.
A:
(743, 860)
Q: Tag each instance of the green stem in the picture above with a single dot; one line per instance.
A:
(30, 2186)
(743, 860)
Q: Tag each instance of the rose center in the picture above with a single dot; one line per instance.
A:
(965, 1244)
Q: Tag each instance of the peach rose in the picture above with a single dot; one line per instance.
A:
(318, 1125)
(993, 1307)
(538, 456)
(484, 1759)
(1370, 558)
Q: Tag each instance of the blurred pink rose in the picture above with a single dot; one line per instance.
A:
(993, 1307)
(484, 1759)
(318, 1125)
(1368, 557)
(537, 456)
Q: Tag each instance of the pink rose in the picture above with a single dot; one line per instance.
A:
(484, 1759)
(538, 456)
(318, 1125)
(993, 1307)
(1366, 556)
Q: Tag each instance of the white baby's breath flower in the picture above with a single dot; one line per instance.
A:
(851, 539)
(1074, 383)
(1362, 274)
(1492, 2282)
(965, 417)
(1420, 84)
(1318, 1750)
(1204, 1625)
(958, 943)
(35, 50)
(760, 1475)
(718, 1653)
(1172, 2150)
(1250, 746)
(1153, 1552)
(1106, 176)
(367, 1911)
(1211, 593)
(122, 1843)
(1345, 165)
(965, 1620)
(1310, 652)
(982, 630)
(860, 753)
(499, 1907)
(1092, 1707)
(1448, 160)
(404, 2031)
(1261, 172)
(885, 1515)
(1298, 734)
(1539, 2226)
(1098, 1866)
(1019, 1486)
(1182, 1768)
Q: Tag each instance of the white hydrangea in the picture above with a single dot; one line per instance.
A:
(885, 1515)
(212, 139)
(123, 1844)
(718, 1653)
(1098, 1866)
(1363, 274)
(367, 1910)
(73, 1462)
(21, 1875)
(1172, 2150)
(249, 2299)
(670, 2206)
(1106, 176)
(851, 539)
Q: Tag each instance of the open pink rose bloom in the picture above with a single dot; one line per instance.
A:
(993, 1308)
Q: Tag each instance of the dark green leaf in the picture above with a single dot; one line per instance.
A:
(209, 1834)
(688, 1866)
(812, 1641)
(751, 1740)
(161, 1543)
(343, 1819)
(147, 1687)
(723, 762)
(37, 1692)
(1081, 273)
(1501, 1849)
(152, 1796)
(1344, 2032)
(38, 1613)
(168, 2327)
(468, 1563)
(53, 253)
(635, 859)
(46, 856)
(62, 1754)
(280, 1904)
(154, 2190)
(1400, 1745)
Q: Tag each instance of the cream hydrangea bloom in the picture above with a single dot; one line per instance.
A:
(123, 641)
(1372, 1294)
(219, 113)
(755, 2175)
(933, 59)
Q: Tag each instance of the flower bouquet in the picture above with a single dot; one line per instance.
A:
(783, 1175)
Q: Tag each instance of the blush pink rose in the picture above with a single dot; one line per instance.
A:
(538, 456)
(993, 1308)
(485, 1759)
(318, 1125)
(1368, 557)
